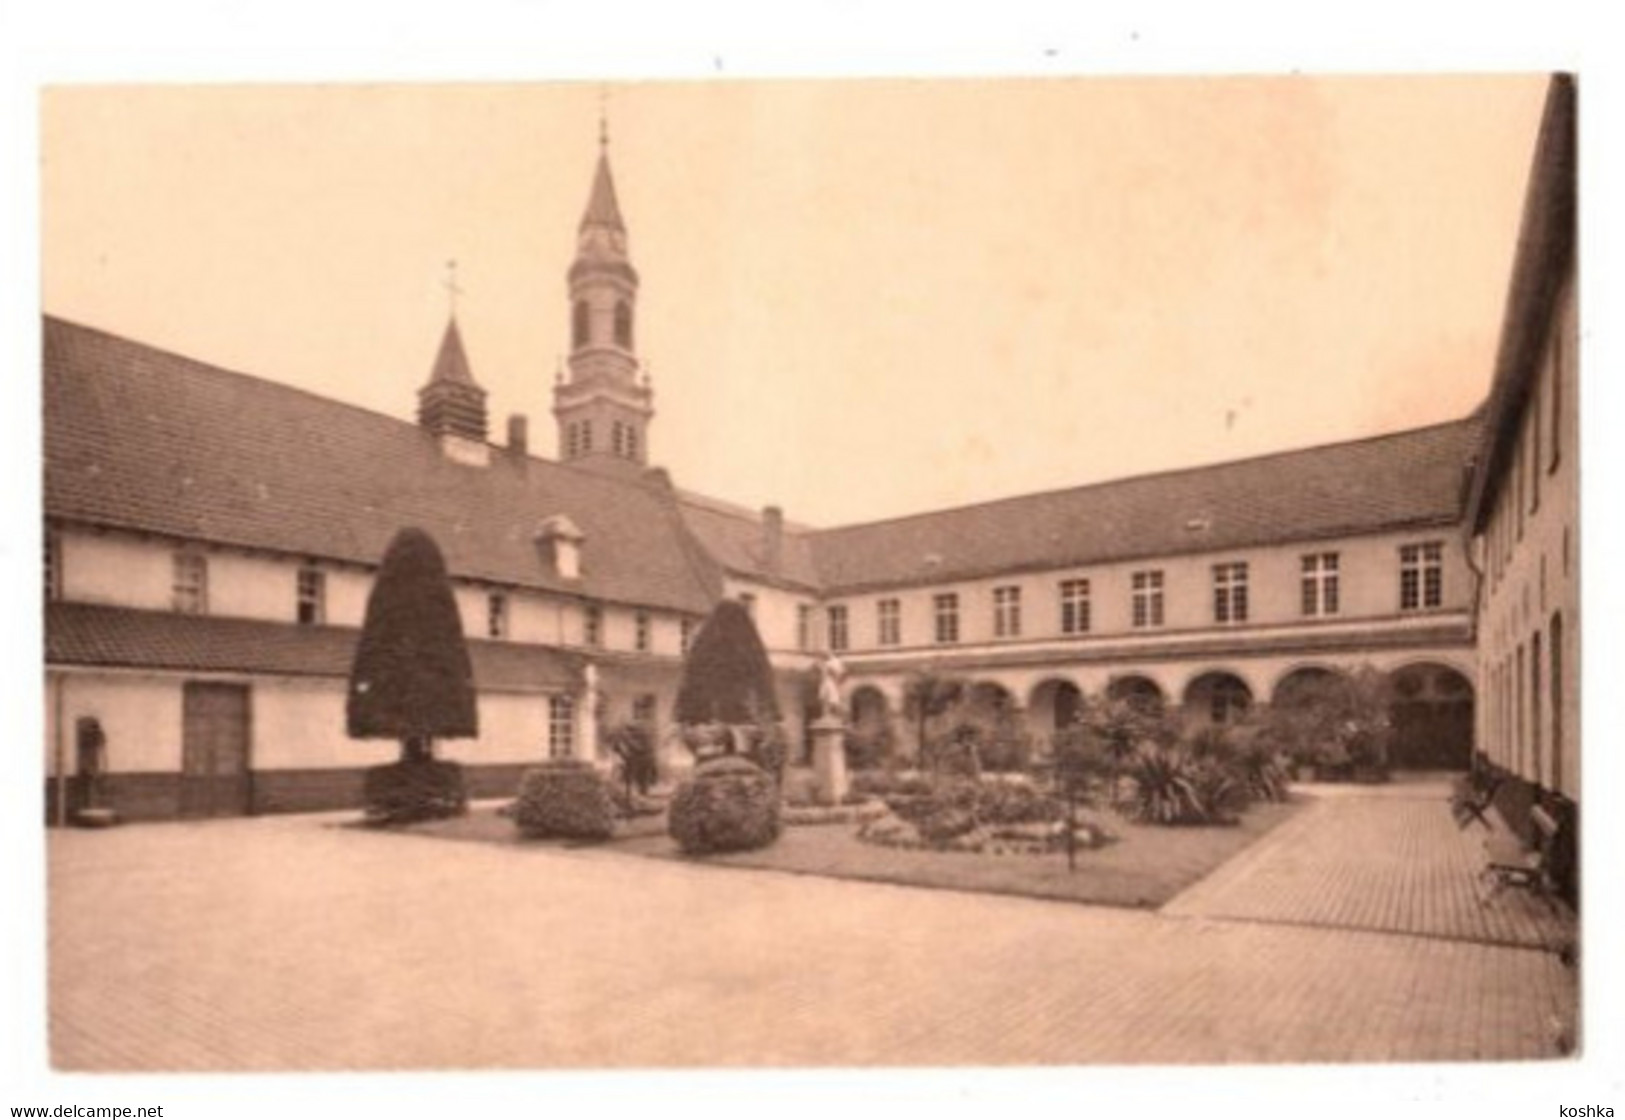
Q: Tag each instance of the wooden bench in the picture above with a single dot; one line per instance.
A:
(1472, 798)
(1512, 863)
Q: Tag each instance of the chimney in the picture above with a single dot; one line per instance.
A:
(519, 434)
(772, 539)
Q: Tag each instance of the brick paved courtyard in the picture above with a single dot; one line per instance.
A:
(296, 943)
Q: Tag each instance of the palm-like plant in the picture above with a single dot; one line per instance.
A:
(927, 696)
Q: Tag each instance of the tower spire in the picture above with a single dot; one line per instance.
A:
(603, 407)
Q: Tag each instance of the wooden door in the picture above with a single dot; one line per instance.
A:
(214, 750)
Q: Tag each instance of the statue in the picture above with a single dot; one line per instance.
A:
(830, 674)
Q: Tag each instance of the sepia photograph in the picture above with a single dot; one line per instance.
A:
(873, 572)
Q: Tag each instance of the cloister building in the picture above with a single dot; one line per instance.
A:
(211, 538)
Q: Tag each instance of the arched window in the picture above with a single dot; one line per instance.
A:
(623, 325)
(1554, 657)
(631, 441)
(579, 325)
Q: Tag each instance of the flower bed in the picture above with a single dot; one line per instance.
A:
(859, 813)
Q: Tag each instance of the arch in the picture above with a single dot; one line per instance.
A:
(580, 325)
(1053, 704)
(869, 738)
(1431, 712)
(1139, 691)
(1218, 696)
(623, 324)
(990, 699)
(1297, 687)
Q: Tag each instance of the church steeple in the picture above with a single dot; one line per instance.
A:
(452, 405)
(604, 407)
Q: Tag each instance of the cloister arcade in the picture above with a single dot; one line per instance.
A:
(1432, 708)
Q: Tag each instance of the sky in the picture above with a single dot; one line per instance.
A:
(860, 298)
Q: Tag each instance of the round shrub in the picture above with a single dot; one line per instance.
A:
(565, 799)
(729, 805)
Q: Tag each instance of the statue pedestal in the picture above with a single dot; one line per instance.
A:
(829, 759)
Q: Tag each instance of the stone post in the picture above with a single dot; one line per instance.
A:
(829, 759)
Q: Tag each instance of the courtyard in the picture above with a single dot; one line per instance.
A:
(1350, 933)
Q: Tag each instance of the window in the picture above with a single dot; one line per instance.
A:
(1007, 612)
(1421, 576)
(1229, 593)
(623, 325)
(561, 726)
(586, 436)
(191, 583)
(311, 596)
(837, 628)
(1534, 453)
(640, 631)
(1517, 497)
(1555, 658)
(53, 566)
(571, 447)
(804, 613)
(1147, 604)
(685, 634)
(945, 608)
(1320, 591)
(1536, 686)
(1075, 606)
(889, 622)
(631, 442)
(644, 709)
(579, 323)
(618, 438)
(1557, 397)
(592, 626)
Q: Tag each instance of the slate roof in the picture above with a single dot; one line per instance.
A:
(146, 440)
(1543, 262)
(733, 536)
(1414, 478)
(603, 209)
(117, 637)
(451, 364)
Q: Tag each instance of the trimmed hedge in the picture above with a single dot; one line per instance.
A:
(566, 799)
(729, 805)
(416, 789)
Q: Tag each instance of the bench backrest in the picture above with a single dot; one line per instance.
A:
(1545, 822)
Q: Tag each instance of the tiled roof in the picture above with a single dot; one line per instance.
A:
(147, 440)
(116, 637)
(1544, 261)
(733, 536)
(1413, 478)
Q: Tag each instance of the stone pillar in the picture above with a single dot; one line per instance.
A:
(829, 759)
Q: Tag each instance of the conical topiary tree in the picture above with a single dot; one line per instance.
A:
(727, 677)
(412, 681)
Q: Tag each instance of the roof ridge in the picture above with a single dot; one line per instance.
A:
(1168, 472)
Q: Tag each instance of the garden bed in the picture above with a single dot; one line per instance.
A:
(1145, 868)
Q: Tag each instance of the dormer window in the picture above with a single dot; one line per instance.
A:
(559, 542)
